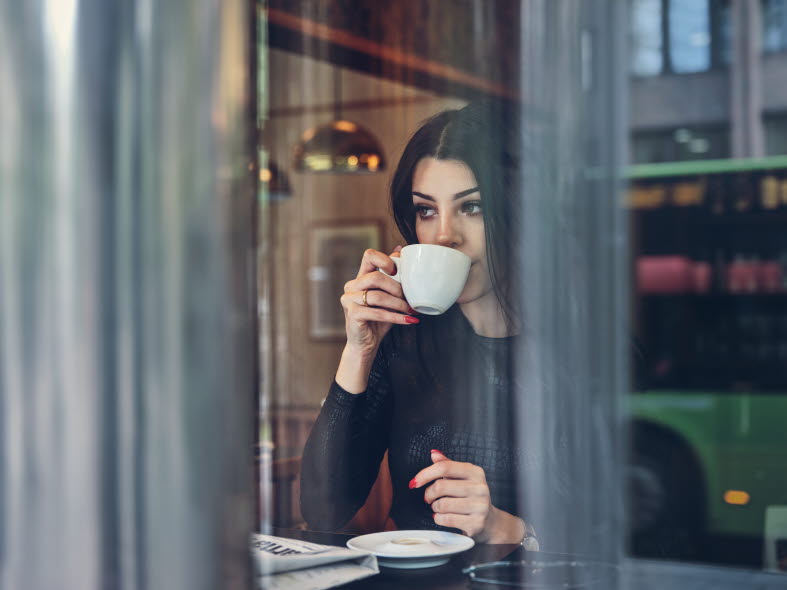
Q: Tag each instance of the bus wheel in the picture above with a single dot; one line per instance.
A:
(665, 500)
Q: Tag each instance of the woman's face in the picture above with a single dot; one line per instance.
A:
(449, 213)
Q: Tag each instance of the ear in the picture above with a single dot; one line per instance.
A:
(438, 456)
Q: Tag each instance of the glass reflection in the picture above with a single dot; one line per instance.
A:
(478, 390)
(707, 291)
(692, 213)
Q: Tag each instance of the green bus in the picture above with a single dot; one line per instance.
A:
(709, 412)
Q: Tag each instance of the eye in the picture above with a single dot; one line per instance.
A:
(424, 212)
(471, 207)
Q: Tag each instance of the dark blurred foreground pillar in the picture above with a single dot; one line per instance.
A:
(126, 294)
(574, 250)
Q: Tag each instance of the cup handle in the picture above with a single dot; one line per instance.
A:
(398, 275)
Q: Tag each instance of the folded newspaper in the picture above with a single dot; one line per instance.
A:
(292, 564)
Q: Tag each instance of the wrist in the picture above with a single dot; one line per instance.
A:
(352, 375)
(359, 354)
(505, 528)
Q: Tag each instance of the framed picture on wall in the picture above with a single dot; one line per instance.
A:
(335, 253)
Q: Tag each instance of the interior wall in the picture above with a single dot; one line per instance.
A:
(302, 97)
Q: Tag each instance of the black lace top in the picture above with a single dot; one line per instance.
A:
(437, 385)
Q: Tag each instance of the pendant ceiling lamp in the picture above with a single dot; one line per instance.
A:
(339, 147)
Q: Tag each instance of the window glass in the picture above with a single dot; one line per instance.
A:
(775, 135)
(701, 313)
(708, 199)
(578, 341)
(774, 23)
(680, 144)
(429, 129)
(689, 35)
(723, 33)
(646, 37)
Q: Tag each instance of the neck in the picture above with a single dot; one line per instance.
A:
(486, 317)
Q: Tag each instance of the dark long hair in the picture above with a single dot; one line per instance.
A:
(485, 137)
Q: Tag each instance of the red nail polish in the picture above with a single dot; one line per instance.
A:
(411, 320)
(412, 484)
(436, 451)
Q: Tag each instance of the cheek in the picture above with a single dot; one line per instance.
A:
(423, 232)
(479, 241)
(476, 231)
(480, 274)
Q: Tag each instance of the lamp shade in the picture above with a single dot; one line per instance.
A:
(340, 147)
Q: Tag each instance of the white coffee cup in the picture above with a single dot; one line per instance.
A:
(432, 276)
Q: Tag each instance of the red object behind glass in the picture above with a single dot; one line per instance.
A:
(665, 274)
(771, 276)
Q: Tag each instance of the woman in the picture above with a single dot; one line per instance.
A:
(435, 391)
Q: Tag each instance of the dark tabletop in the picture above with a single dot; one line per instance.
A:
(444, 577)
(634, 574)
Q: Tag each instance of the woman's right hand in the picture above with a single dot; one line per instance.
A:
(368, 324)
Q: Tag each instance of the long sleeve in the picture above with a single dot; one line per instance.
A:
(342, 456)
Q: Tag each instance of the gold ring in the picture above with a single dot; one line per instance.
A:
(363, 298)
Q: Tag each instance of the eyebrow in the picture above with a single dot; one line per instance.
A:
(458, 195)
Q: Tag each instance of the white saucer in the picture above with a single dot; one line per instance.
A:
(412, 549)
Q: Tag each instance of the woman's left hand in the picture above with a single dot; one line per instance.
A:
(460, 499)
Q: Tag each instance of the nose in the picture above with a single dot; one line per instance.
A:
(449, 233)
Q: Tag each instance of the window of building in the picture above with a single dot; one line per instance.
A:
(689, 36)
(676, 145)
(647, 54)
(775, 134)
(774, 26)
(722, 41)
(679, 36)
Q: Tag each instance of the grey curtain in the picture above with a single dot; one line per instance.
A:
(126, 293)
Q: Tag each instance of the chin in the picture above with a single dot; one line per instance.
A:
(473, 293)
